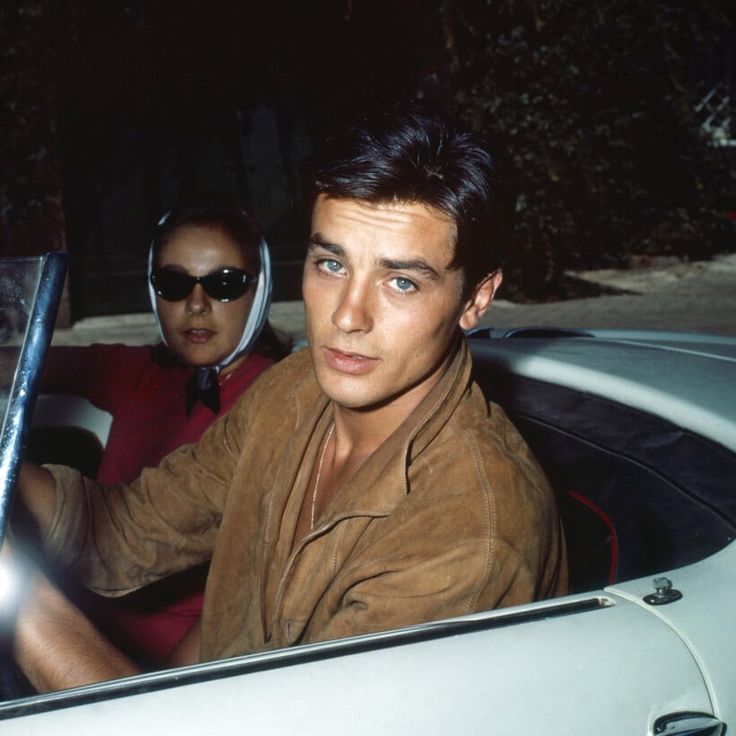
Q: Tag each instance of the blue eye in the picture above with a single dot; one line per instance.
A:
(330, 265)
(404, 285)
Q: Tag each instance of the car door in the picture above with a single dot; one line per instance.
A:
(597, 663)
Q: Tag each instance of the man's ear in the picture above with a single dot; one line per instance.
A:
(480, 300)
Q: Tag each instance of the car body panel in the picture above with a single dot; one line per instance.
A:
(704, 618)
(545, 672)
(679, 379)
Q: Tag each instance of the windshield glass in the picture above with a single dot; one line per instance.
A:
(29, 296)
(18, 286)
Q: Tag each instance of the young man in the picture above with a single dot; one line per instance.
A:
(363, 484)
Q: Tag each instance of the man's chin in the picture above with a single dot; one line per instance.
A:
(350, 392)
(357, 398)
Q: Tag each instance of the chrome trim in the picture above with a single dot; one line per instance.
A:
(688, 724)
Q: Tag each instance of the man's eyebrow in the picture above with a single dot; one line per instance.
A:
(390, 264)
(317, 241)
(414, 264)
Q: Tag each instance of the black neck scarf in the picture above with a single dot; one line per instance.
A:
(203, 386)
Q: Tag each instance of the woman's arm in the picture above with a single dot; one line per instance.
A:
(66, 370)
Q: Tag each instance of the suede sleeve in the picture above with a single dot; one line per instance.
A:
(116, 539)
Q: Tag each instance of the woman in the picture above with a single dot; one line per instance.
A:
(209, 281)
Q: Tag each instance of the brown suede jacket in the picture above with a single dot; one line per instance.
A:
(450, 515)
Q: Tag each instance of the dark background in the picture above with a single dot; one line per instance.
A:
(113, 110)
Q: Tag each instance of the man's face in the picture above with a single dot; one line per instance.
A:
(382, 308)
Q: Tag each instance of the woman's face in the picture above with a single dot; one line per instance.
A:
(199, 329)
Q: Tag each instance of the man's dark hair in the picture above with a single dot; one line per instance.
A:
(412, 155)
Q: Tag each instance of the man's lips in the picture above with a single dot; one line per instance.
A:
(198, 335)
(348, 362)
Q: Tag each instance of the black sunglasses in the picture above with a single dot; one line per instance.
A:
(224, 285)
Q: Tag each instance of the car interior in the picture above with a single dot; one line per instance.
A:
(637, 495)
(68, 430)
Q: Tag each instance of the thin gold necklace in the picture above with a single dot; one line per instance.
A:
(319, 472)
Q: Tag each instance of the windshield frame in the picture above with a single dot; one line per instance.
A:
(43, 304)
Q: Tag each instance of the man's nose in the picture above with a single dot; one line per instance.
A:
(354, 312)
(198, 302)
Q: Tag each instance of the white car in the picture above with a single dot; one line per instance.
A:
(637, 432)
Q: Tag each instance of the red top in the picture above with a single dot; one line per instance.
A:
(146, 400)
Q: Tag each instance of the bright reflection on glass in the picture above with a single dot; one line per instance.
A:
(9, 584)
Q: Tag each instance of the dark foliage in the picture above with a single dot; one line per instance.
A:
(594, 103)
(591, 100)
(31, 211)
